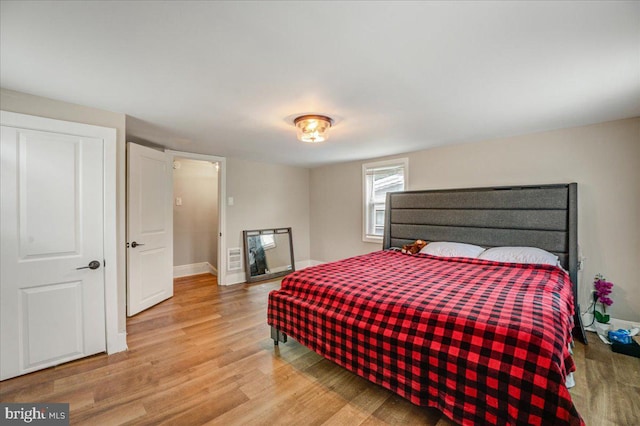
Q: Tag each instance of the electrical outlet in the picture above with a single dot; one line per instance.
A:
(581, 260)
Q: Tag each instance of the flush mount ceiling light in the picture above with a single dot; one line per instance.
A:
(313, 128)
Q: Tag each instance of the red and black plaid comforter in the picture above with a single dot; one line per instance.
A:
(484, 342)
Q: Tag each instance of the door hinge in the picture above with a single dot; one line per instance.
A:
(104, 262)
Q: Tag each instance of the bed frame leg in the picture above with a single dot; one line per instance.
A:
(578, 327)
(278, 336)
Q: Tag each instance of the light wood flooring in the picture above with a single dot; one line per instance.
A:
(205, 357)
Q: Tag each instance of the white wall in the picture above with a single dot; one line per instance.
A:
(195, 222)
(43, 107)
(603, 158)
(267, 196)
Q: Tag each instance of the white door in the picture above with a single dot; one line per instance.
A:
(150, 229)
(52, 192)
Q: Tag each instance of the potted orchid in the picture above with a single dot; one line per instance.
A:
(601, 296)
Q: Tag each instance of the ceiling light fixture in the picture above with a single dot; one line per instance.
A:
(313, 128)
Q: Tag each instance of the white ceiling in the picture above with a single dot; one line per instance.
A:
(226, 78)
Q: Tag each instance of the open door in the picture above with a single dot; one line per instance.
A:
(150, 228)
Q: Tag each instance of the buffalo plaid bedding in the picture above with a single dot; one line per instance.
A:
(485, 342)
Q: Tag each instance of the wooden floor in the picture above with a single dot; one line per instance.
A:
(205, 357)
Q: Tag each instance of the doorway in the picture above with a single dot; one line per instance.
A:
(198, 214)
(195, 216)
(150, 210)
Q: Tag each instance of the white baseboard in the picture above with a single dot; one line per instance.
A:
(306, 263)
(194, 269)
(119, 345)
(235, 278)
(615, 323)
(240, 277)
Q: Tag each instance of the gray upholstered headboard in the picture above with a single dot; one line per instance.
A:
(543, 216)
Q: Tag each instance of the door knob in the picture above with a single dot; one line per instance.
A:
(134, 244)
(94, 264)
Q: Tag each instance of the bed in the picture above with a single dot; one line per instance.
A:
(485, 342)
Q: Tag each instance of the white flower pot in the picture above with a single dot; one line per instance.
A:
(602, 328)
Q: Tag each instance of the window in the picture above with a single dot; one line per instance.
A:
(378, 179)
(268, 241)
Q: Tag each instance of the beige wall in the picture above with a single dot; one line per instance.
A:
(195, 222)
(43, 107)
(336, 212)
(279, 257)
(268, 196)
(604, 159)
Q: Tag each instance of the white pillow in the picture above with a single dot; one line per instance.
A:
(520, 255)
(447, 249)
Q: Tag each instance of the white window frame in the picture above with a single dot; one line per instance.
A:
(404, 162)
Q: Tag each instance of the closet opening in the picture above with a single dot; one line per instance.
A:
(196, 217)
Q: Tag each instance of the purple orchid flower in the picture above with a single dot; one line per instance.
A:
(603, 289)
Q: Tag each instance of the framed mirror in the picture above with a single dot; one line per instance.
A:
(268, 253)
